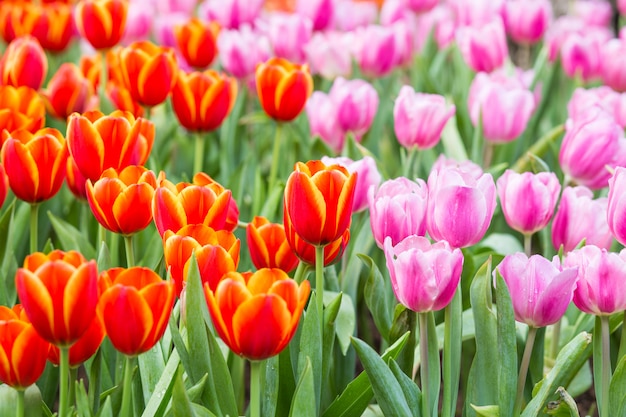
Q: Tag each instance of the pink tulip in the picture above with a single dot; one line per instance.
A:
(367, 177)
(424, 276)
(328, 54)
(612, 102)
(350, 15)
(580, 53)
(163, 29)
(441, 21)
(460, 206)
(601, 277)
(241, 50)
(422, 6)
(528, 200)
(398, 209)
(467, 166)
(594, 12)
(559, 31)
(420, 118)
(138, 22)
(395, 10)
(356, 102)
(375, 50)
(484, 47)
(168, 6)
(231, 14)
(322, 114)
(592, 142)
(526, 21)
(540, 290)
(621, 7)
(579, 217)
(288, 33)
(613, 64)
(476, 12)
(320, 12)
(616, 210)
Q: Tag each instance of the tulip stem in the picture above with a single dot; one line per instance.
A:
(64, 365)
(319, 285)
(556, 336)
(127, 388)
(34, 226)
(528, 243)
(423, 324)
(130, 253)
(301, 272)
(19, 409)
(255, 388)
(622, 343)
(606, 367)
(523, 370)
(104, 78)
(411, 170)
(275, 157)
(198, 157)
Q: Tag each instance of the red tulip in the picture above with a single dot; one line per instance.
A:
(21, 108)
(69, 91)
(54, 26)
(84, 348)
(101, 22)
(268, 245)
(4, 185)
(24, 63)
(197, 42)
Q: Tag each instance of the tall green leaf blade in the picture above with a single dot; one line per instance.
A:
(303, 402)
(507, 348)
(71, 238)
(375, 299)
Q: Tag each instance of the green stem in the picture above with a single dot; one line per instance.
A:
(102, 235)
(319, 284)
(34, 226)
(528, 243)
(523, 371)
(64, 365)
(453, 329)
(130, 253)
(301, 272)
(556, 336)
(622, 344)
(488, 154)
(423, 323)
(412, 158)
(275, 156)
(19, 409)
(606, 367)
(198, 157)
(73, 379)
(126, 409)
(255, 388)
(105, 105)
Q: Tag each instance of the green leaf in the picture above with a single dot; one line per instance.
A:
(355, 398)
(32, 401)
(181, 405)
(617, 388)
(507, 348)
(502, 243)
(71, 238)
(452, 349)
(195, 392)
(405, 321)
(311, 349)
(487, 410)
(221, 377)
(565, 407)
(157, 404)
(200, 411)
(151, 366)
(375, 299)
(82, 400)
(411, 391)
(107, 409)
(344, 321)
(387, 389)
(303, 402)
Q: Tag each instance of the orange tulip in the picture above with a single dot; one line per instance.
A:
(217, 252)
(318, 201)
(306, 252)
(101, 22)
(283, 88)
(4, 185)
(121, 202)
(21, 108)
(122, 100)
(35, 163)
(149, 71)
(197, 42)
(97, 142)
(202, 100)
(257, 314)
(175, 206)
(23, 352)
(59, 293)
(232, 217)
(24, 63)
(69, 91)
(135, 308)
(75, 180)
(84, 348)
(54, 26)
(16, 19)
(268, 245)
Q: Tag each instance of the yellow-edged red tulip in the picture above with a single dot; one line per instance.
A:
(97, 142)
(306, 252)
(149, 71)
(24, 63)
(69, 91)
(122, 201)
(197, 42)
(232, 217)
(23, 352)
(283, 88)
(4, 185)
(122, 100)
(54, 26)
(59, 292)
(217, 252)
(75, 179)
(21, 108)
(175, 206)
(318, 201)
(84, 348)
(202, 100)
(16, 19)
(101, 22)
(257, 314)
(35, 163)
(135, 308)
(268, 245)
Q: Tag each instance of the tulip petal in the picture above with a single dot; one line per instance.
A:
(37, 302)
(167, 210)
(80, 299)
(160, 299)
(85, 146)
(131, 209)
(155, 80)
(29, 356)
(22, 170)
(301, 192)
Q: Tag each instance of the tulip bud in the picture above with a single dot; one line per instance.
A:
(483, 47)
(24, 63)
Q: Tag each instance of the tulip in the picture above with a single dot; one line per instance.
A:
(612, 64)
(527, 21)
(231, 14)
(540, 290)
(528, 200)
(4, 185)
(476, 13)
(593, 12)
(34, 163)
(257, 314)
(135, 308)
(483, 47)
(591, 143)
(322, 114)
(559, 31)
(424, 276)
(318, 201)
(579, 217)
(398, 210)
(422, 6)
(232, 217)
(139, 22)
(54, 27)
(329, 54)
(466, 166)
(59, 292)
(21, 108)
(356, 102)
(69, 91)
(367, 175)
(306, 252)
(420, 118)
(97, 142)
(84, 348)
(601, 277)
(242, 50)
(24, 63)
(460, 206)
(23, 352)
(375, 50)
(16, 19)
(202, 100)
(351, 15)
(283, 88)
(217, 252)
(197, 42)
(149, 71)
(616, 210)
(268, 245)
(621, 7)
(101, 22)
(580, 53)
(612, 102)
(288, 33)
(440, 22)
(175, 6)
(320, 12)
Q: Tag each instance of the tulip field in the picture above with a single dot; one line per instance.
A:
(312, 208)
